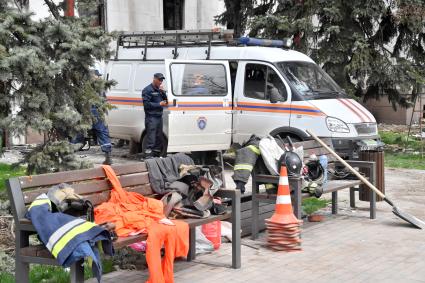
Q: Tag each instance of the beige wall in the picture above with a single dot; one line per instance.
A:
(384, 113)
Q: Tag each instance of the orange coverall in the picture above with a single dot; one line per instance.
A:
(133, 213)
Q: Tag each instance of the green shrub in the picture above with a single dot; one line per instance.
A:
(6, 277)
(311, 205)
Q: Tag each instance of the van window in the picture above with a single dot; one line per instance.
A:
(310, 80)
(275, 86)
(255, 81)
(121, 73)
(188, 79)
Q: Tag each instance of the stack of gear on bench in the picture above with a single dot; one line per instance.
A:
(274, 152)
(188, 190)
(69, 238)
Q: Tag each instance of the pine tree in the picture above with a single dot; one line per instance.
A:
(372, 49)
(46, 77)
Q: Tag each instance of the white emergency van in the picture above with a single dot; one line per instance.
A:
(221, 91)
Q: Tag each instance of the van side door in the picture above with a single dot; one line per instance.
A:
(262, 100)
(199, 97)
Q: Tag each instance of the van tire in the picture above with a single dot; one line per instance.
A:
(283, 136)
(143, 142)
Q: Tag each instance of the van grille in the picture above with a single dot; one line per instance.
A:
(366, 129)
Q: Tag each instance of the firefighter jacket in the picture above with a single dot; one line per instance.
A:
(246, 158)
(68, 238)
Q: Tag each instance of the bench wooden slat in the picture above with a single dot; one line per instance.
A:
(41, 251)
(78, 175)
(94, 186)
(335, 185)
(193, 222)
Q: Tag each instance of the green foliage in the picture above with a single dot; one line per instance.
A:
(48, 274)
(54, 274)
(399, 139)
(372, 49)
(6, 172)
(46, 82)
(311, 205)
(404, 160)
(6, 277)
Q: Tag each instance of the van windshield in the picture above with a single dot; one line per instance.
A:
(310, 80)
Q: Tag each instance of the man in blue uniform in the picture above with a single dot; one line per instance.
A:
(99, 127)
(154, 100)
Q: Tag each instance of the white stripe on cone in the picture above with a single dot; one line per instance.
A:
(283, 200)
(283, 181)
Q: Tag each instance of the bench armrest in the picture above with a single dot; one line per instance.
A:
(228, 193)
(235, 195)
(359, 163)
(370, 165)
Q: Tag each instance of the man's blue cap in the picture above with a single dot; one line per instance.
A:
(159, 76)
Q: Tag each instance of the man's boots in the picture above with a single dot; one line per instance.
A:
(108, 159)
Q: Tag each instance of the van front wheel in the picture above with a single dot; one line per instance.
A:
(282, 136)
(144, 142)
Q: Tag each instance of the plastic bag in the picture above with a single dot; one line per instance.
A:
(203, 245)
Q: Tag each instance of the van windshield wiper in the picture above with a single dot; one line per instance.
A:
(324, 94)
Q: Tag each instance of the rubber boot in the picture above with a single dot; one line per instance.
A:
(108, 159)
(240, 186)
(148, 154)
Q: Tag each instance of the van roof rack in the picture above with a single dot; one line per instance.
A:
(174, 38)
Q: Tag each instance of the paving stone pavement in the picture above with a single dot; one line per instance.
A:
(348, 247)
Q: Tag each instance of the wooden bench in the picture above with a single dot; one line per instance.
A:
(295, 183)
(94, 186)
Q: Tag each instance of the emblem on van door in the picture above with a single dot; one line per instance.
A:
(202, 123)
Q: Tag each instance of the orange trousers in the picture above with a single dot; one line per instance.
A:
(175, 240)
(132, 212)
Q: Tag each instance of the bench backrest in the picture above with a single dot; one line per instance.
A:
(92, 184)
(313, 147)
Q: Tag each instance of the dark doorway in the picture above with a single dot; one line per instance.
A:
(173, 14)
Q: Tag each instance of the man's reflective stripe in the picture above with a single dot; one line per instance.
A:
(70, 235)
(283, 181)
(62, 231)
(248, 167)
(255, 149)
(283, 200)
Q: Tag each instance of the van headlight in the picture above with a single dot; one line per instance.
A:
(336, 125)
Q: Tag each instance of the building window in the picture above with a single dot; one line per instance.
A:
(173, 14)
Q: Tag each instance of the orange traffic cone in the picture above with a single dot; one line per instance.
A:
(283, 211)
(283, 228)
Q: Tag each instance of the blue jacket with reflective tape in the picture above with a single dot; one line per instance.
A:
(68, 238)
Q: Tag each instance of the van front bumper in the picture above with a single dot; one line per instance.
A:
(349, 148)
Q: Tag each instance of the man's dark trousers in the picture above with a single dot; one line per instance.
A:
(153, 126)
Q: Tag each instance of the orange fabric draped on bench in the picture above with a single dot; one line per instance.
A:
(133, 213)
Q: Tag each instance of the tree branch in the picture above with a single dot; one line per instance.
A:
(53, 8)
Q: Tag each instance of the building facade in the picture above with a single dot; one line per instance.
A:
(138, 15)
(148, 15)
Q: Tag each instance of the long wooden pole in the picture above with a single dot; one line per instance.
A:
(354, 171)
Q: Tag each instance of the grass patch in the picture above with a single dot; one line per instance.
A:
(6, 277)
(399, 139)
(55, 274)
(404, 160)
(8, 171)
